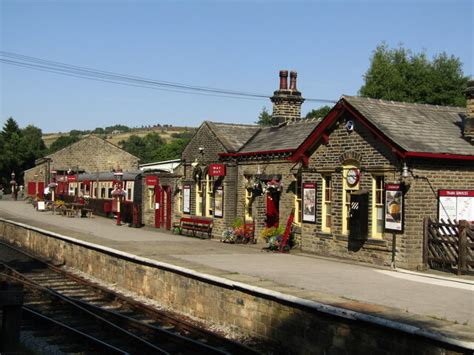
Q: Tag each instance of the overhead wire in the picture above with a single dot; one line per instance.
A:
(20, 60)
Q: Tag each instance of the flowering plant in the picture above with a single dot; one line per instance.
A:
(228, 236)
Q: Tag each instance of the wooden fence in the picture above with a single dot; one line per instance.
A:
(449, 246)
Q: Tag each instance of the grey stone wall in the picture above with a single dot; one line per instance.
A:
(93, 154)
(294, 328)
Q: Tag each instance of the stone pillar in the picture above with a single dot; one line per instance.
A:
(286, 102)
(469, 122)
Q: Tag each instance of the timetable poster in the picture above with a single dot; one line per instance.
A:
(456, 205)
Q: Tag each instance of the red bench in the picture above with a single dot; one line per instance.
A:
(196, 226)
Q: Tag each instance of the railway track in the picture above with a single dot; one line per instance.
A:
(81, 317)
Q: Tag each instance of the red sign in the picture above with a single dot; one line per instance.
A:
(216, 170)
(392, 187)
(457, 193)
(71, 178)
(151, 180)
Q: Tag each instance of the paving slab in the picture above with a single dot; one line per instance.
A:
(433, 300)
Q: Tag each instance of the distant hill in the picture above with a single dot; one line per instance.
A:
(116, 135)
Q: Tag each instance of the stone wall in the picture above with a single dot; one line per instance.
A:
(293, 324)
(249, 169)
(421, 200)
(93, 154)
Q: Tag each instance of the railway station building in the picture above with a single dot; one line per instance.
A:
(91, 154)
(360, 180)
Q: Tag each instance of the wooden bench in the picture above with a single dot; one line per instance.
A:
(86, 212)
(196, 226)
(70, 212)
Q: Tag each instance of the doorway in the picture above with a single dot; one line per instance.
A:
(273, 209)
(163, 208)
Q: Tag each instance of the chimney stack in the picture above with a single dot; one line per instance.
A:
(293, 76)
(286, 102)
(469, 121)
(283, 79)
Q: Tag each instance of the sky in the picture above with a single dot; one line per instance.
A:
(236, 45)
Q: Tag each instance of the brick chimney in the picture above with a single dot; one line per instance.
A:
(469, 122)
(286, 102)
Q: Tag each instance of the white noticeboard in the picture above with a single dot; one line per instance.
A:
(41, 206)
(456, 205)
(186, 199)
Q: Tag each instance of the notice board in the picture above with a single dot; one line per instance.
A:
(456, 205)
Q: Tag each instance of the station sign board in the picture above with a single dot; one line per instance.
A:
(216, 170)
(151, 180)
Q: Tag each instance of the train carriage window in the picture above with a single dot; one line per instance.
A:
(129, 194)
(110, 192)
(102, 192)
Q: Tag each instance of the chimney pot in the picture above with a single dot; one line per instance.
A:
(293, 76)
(283, 79)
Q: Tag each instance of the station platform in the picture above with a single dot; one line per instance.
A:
(437, 302)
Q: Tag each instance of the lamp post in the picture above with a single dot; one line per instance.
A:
(13, 184)
(118, 193)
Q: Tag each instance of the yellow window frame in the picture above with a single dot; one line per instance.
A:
(377, 203)
(325, 203)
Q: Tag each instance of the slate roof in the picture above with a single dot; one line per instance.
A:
(289, 136)
(416, 128)
(233, 136)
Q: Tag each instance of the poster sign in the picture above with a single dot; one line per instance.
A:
(456, 205)
(309, 202)
(151, 180)
(71, 178)
(216, 170)
(393, 208)
(187, 199)
(219, 202)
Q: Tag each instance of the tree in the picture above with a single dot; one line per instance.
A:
(31, 145)
(20, 148)
(264, 119)
(400, 75)
(319, 112)
(63, 142)
(152, 147)
(172, 150)
(10, 128)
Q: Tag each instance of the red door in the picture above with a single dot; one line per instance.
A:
(158, 193)
(168, 208)
(273, 207)
(40, 189)
(31, 188)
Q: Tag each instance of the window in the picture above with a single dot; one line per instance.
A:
(199, 196)
(377, 206)
(151, 197)
(109, 195)
(180, 200)
(209, 195)
(350, 183)
(102, 192)
(129, 194)
(297, 199)
(327, 204)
